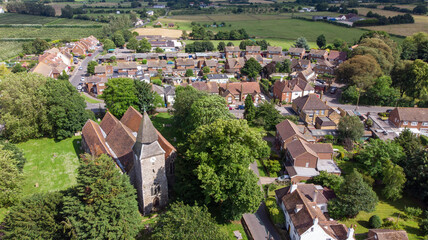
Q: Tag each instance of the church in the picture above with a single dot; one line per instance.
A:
(138, 150)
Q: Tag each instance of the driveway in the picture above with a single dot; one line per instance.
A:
(260, 225)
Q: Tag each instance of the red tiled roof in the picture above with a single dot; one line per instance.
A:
(132, 119)
(92, 134)
(108, 123)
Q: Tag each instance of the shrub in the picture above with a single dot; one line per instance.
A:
(375, 221)
(273, 166)
(144, 61)
(423, 225)
(424, 140)
(329, 138)
(412, 212)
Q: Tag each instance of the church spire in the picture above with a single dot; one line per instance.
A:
(146, 132)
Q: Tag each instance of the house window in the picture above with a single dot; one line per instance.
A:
(322, 112)
(414, 123)
(405, 123)
(317, 112)
(425, 124)
(229, 99)
(307, 164)
(155, 189)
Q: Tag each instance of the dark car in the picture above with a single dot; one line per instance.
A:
(240, 107)
(321, 81)
(333, 90)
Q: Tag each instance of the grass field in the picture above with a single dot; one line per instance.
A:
(280, 28)
(420, 25)
(9, 49)
(50, 164)
(88, 99)
(49, 33)
(233, 226)
(14, 18)
(386, 209)
(163, 123)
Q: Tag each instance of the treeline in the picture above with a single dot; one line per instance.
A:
(33, 106)
(419, 9)
(32, 8)
(200, 33)
(203, 46)
(382, 20)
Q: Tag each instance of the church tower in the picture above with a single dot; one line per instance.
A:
(148, 172)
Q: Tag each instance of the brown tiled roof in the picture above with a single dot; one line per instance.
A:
(185, 62)
(318, 51)
(274, 49)
(296, 50)
(210, 87)
(94, 138)
(166, 146)
(281, 86)
(232, 49)
(132, 119)
(235, 62)
(253, 48)
(121, 140)
(157, 63)
(336, 55)
(287, 129)
(309, 191)
(310, 102)
(298, 84)
(100, 69)
(388, 234)
(108, 123)
(412, 114)
(257, 57)
(324, 121)
(299, 147)
(321, 147)
(246, 87)
(210, 63)
(277, 58)
(323, 62)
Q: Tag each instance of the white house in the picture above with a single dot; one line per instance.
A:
(304, 206)
(218, 78)
(150, 13)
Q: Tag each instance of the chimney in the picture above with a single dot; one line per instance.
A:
(316, 221)
(293, 188)
(350, 235)
(314, 198)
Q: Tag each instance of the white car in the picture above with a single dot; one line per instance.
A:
(82, 79)
(283, 178)
(80, 68)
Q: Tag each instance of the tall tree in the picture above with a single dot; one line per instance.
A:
(350, 130)
(418, 84)
(35, 217)
(132, 44)
(144, 46)
(10, 178)
(145, 96)
(250, 109)
(215, 168)
(118, 39)
(108, 44)
(267, 115)
(17, 153)
(65, 108)
(187, 222)
(206, 110)
(321, 42)
(353, 196)
(360, 70)
(416, 169)
(301, 43)
(393, 179)
(221, 46)
(251, 68)
(119, 94)
(103, 204)
(91, 67)
(400, 75)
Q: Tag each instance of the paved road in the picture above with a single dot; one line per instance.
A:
(78, 74)
(260, 225)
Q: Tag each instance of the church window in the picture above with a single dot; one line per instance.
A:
(155, 189)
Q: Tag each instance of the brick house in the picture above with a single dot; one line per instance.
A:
(155, 65)
(304, 206)
(291, 89)
(273, 51)
(234, 65)
(310, 107)
(184, 63)
(287, 131)
(336, 57)
(296, 52)
(238, 91)
(324, 67)
(299, 64)
(232, 51)
(96, 84)
(408, 117)
(253, 50)
(317, 54)
(211, 64)
(106, 70)
(281, 91)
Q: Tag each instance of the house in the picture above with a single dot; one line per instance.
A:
(96, 84)
(310, 107)
(103, 70)
(253, 50)
(209, 87)
(169, 95)
(156, 65)
(257, 57)
(289, 90)
(53, 62)
(287, 131)
(211, 64)
(323, 67)
(298, 65)
(234, 65)
(232, 51)
(325, 123)
(279, 58)
(317, 54)
(138, 150)
(126, 69)
(337, 57)
(296, 52)
(184, 63)
(304, 206)
(308, 75)
(273, 51)
(341, 18)
(238, 91)
(415, 119)
(387, 234)
(281, 91)
(150, 13)
(217, 78)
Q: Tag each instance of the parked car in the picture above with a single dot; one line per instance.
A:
(333, 90)
(283, 178)
(80, 68)
(230, 108)
(321, 81)
(82, 79)
(90, 54)
(240, 107)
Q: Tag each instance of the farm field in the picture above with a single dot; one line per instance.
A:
(285, 44)
(9, 49)
(14, 18)
(279, 27)
(49, 33)
(174, 33)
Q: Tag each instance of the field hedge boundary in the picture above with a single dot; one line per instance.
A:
(49, 26)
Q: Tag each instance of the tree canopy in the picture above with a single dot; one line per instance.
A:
(182, 221)
(214, 168)
(119, 94)
(321, 42)
(360, 70)
(103, 204)
(251, 68)
(301, 43)
(10, 178)
(350, 129)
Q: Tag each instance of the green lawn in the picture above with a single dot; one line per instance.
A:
(50, 164)
(233, 226)
(15, 18)
(386, 209)
(88, 99)
(163, 123)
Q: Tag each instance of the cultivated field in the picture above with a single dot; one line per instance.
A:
(278, 27)
(173, 33)
(49, 33)
(14, 18)
(9, 49)
(420, 25)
